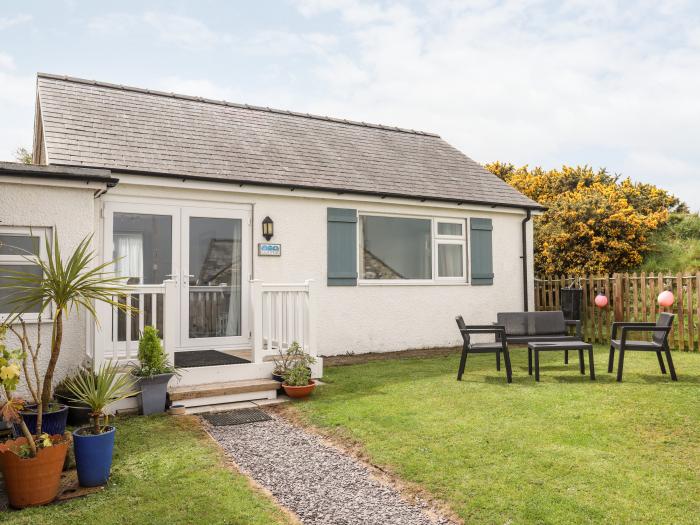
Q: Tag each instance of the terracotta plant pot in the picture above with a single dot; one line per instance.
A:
(299, 391)
(32, 481)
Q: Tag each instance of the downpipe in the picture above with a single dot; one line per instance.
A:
(528, 216)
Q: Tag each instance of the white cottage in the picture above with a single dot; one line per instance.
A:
(242, 229)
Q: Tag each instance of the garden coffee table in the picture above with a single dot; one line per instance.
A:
(538, 347)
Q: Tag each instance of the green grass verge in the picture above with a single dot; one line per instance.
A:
(566, 450)
(166, 470)
(675, 246)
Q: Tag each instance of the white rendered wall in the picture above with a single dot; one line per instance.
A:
(364, 318)
(69, 211)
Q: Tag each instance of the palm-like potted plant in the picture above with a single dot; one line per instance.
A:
(31, 464)
(154, 372)
(63, 286)
(78, 413)
(94, 444)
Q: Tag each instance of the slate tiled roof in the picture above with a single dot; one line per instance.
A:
(87, 123)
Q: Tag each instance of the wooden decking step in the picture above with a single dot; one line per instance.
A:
(180, 393)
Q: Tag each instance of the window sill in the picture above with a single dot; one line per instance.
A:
(27, 320)
(378, 282)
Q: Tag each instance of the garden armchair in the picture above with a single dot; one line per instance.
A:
(658, 343)
(496, 347)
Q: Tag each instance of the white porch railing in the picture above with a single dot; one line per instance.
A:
(117, 337)
(282, 314)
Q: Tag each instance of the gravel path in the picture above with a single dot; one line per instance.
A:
(319, 483)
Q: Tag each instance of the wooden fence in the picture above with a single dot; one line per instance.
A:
(631, 297)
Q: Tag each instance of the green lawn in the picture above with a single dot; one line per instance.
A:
(566, 450)
(166, 470)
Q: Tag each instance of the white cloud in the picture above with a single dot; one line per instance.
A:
(286, 43)
(16, 108)
(6, 61)
(598, 82)
(182, 31)
(10, 21)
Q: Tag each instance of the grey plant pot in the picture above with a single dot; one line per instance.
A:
(152, 394)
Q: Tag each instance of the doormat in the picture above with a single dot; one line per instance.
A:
(69, 489)
(237, 417)
(197, 358)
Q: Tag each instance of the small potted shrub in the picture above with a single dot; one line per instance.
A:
(31, 464)
(154, 372)
(78, 413)
(282, 363)
(285, 360)
(297, 379)
(298, 382)
(93, 445)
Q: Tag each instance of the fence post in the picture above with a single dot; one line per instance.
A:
(697, 292)
(690, 313)
(680, 307)
(617, 297)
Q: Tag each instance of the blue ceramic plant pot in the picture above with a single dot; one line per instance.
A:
(93, 455)
(52, 422)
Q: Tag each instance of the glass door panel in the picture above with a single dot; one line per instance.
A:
(143, 247)
(144, 243)
(214, 278)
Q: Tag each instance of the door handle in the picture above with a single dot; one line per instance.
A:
(172, 276)
(186, 279)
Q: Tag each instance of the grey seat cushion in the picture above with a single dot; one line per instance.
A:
(516, 323)
(542, 338)
(636, 345)
(486, 346)
(525, 327)
(547, 323)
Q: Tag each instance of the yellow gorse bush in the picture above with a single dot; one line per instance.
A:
(595, 223)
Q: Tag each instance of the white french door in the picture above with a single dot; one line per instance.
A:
(205, 250)
(215, 266)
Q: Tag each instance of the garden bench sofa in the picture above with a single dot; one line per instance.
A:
(522, 328)
(529, 327)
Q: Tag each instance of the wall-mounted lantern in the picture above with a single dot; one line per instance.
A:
(267, 228)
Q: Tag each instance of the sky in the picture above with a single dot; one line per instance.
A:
(613, 84)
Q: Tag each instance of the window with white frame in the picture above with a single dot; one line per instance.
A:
(18, 245)
(451, 249)
(394, 248)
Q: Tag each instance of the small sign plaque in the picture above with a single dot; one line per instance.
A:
(268, 249)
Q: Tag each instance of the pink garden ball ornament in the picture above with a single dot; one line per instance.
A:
(601, 301)
(666, 298)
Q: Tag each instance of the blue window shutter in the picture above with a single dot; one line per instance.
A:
(342, 247)
(481, 244)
